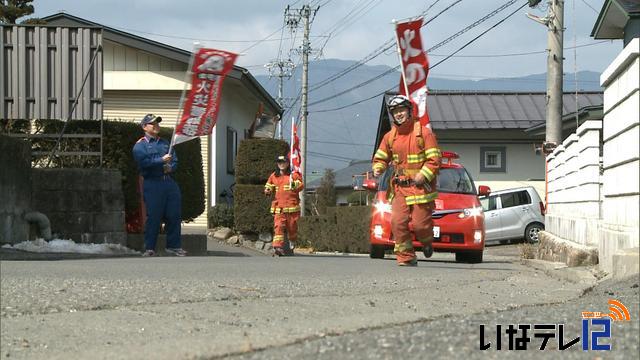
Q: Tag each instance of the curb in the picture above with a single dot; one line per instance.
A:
(588, 276)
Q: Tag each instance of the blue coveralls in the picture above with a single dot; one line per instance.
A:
(161, 193)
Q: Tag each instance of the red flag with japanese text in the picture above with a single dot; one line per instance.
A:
(294, 154)
(415, 66)
(202, 104)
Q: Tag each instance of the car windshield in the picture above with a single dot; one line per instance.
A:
(452, 180)
(455, 180)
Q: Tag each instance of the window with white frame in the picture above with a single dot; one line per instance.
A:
(493, 159)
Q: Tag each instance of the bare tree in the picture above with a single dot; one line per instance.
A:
(326, 192)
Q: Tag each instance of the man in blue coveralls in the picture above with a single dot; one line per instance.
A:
(161, 193)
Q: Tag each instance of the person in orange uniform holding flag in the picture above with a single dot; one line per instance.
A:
(285, 206)
(413, 151)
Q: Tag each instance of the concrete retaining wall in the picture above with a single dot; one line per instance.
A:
(15, 189)
(84, 205)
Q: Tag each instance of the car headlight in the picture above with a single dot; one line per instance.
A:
(474, 211)
(377, 231)
(382, 207)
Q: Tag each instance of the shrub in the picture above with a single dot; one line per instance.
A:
(256, 160)
(251, 209)
(344, 228)
(221, 215)
(357, 198)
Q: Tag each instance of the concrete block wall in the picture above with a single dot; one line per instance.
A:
(574, 186)
(84, 205)
(15, 189)
(621, 156)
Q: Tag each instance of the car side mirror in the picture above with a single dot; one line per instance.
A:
(370, 184)
(484, 190)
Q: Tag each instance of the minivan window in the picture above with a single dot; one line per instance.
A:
(488, 203)
(515, 199)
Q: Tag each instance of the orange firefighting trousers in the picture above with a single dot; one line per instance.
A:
(282, 222)
(420, 217)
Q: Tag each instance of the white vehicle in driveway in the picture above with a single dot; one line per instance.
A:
(513, 214)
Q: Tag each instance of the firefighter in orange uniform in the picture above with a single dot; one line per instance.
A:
(285, 206)
(413, 151)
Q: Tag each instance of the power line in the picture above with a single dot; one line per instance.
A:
(381, 49)
(442, 43)
(517, 54)
(589, 5)
(438, 63)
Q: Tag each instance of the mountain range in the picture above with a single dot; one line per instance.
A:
(337, 137)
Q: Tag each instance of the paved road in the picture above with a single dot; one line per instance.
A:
(244, 304)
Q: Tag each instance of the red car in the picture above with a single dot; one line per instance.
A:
(458, 217)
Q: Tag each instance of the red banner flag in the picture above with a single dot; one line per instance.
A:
(415, 66)
(200, 110)
(294, 154)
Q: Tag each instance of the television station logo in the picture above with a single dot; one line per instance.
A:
(596, 332)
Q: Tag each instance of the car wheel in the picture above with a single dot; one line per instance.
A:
(377, 252)
(531, 232)
(474, 257)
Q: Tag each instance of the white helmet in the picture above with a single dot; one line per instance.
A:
(398, 101)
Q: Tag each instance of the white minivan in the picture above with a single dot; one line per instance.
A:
(513, 214)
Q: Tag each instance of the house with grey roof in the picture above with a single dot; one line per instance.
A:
(347, 180)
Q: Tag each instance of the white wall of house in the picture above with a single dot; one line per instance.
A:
(235, 115)
(621, 155)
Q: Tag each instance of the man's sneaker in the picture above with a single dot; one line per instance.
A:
(412, 262)
(176, 251)
(149, 253)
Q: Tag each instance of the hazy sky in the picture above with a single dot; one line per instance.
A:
(237, 25)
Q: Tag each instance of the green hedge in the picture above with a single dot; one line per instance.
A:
(344, 229)
(251, 209)
(119, 138)
(353, 226)
(221, 215)
(256, 160)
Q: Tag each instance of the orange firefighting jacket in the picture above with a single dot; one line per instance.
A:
(286, 191)
(411, 148)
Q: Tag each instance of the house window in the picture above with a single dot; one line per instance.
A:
(493, 159)
(232, 149)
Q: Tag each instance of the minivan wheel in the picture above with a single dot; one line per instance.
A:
(531, 233)
(472, 257)
(377, 252)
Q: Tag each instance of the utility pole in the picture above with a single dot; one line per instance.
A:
(281, 69)
(554, 21)
(306, 13)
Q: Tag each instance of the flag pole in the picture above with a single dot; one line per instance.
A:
(291, 153)
(404, 80)
(187, 81)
